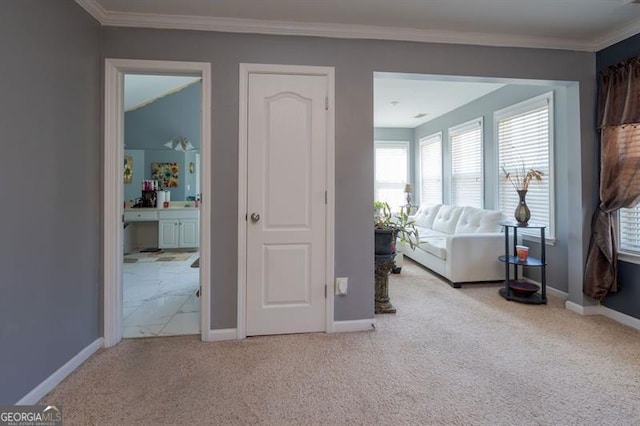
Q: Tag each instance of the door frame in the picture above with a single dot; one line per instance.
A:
(245, 70)
(113, 199)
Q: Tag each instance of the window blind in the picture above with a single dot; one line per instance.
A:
(466, 164)
(431, 170)
(629, 230)
(391, 173)
(629, 218)
(524, 141)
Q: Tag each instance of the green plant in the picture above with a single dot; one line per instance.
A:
(401, 223)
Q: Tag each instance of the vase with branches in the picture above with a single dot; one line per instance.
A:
(520, 178)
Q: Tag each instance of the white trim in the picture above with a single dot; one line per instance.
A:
(582, 310)
(220, 335)
(628, 257)
(620, 317)
(349, 31)
(355, 325)
(616, 36)
(95, 9)
(550, 290)
(245, 70)
(60, 374)
(113, 200)
(558, 293)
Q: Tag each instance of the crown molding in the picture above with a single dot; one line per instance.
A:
(94, 9)
(254, 26)
(313, 29)
(617, 36)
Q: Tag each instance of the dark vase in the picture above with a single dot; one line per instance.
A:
(522, 213)
(385, 241)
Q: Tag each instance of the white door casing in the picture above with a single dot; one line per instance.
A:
(113, 188)
(287, 255)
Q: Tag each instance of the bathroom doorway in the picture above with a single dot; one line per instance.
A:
(156, 270)
(162, 139)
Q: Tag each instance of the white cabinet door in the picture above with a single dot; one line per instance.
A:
(168, 232)
(189, 233)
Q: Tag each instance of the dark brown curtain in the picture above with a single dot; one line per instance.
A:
(619, 123)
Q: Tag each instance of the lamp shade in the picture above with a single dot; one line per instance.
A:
(408, 188)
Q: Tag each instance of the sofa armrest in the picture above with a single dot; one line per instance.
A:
(474, 257)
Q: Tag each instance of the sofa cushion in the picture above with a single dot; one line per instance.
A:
(427, 233)
(436, 246)
(473, 220)
(447, 219)
(425, 215)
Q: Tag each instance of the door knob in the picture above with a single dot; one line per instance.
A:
(255, 217)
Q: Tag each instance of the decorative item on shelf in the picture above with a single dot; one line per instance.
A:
(180, 143)
(408, 189)
(192, 167)
(520, 179)
(522, 252)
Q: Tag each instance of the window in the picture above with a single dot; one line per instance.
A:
(391, 172)
(629, 230)
(629, 219)
(431, 170)
(465, 142)
(524, 138)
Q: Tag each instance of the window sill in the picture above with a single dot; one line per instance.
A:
(629, 257)
(548, 241)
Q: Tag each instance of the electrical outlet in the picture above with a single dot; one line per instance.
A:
(342, 285)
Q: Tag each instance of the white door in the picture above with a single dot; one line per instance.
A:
(286, 238)
(168, 233)
(189, 233)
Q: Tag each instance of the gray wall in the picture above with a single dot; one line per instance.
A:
(485, 107)
(177, 114)
(627, 299)
(354, 62)
(50, 129)
(133, 190)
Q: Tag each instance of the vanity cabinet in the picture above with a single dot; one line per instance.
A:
(178, 229)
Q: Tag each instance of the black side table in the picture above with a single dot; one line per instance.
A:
(516, 289)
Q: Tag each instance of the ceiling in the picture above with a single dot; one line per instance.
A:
(588, 25)
(140, 90)
(397, 99)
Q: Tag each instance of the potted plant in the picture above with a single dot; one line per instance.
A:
(520, 179)
(389, 227)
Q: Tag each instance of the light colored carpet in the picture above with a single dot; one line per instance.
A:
(448, 357)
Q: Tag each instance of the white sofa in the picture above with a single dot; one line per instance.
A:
(460, 243)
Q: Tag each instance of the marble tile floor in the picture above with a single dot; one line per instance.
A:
(159, 298)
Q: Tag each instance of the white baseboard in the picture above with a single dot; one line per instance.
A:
(222, 334)
(583, 310)
(625, 319)
(558, 293)
(550, 290)
(60, 374)
(356, 325)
